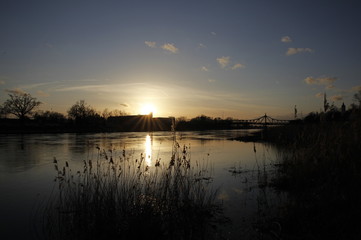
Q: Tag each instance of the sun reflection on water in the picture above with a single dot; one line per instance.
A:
(148, 150)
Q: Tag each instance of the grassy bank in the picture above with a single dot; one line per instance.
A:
(320, 168)
(118, 196)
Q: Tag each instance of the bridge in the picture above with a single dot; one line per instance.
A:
(260, 122)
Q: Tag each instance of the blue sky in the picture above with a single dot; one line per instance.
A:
(220, 58)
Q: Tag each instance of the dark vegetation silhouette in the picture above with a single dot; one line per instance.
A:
(319, 169)
(20, 104)
(82, 117)
(118, 196)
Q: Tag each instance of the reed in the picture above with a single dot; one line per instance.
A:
(320, 169)
(118, 197)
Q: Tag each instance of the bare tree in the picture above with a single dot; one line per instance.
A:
(357, 98)
(20, 105)
(81, 111)
(326, 105)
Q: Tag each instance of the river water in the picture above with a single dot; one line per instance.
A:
(238, 170)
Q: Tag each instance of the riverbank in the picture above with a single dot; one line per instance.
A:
(319, 169)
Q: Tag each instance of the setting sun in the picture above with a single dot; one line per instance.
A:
(147, 109)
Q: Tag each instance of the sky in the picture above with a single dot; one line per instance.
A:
(220, 58)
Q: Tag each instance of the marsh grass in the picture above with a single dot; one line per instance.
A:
(320, 169)
(118, 197)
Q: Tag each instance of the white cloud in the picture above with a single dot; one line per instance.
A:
(223, 61)
(292, 51)
(328, 81)
(204, 69)
(237, 65)
(150, 44)
(336, 98)
(286, 39)
(170, 47)
(201, 45)
(213, 33)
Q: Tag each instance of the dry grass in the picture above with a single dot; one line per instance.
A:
(320, 169)
(119, 197)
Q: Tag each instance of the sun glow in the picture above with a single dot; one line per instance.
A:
(147, 109)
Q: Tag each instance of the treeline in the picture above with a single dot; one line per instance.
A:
(50, 121)
(81, 117)
(203, 123)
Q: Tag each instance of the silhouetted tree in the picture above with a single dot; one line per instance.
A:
(81, 110)
(82, 113)
(2, 112)
(49, 117)
(114, 113)
(20, 104)
(357, 98)
(326, 105)
(312, 117)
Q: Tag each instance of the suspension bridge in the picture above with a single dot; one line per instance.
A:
(260, 122)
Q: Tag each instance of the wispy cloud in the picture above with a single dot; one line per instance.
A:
(223, 61)
(170, 47)
(328, 81)
(237, 66)
(293, 51)
(201, 45)
(18, 91)
(286, 39)
(213, 33)
(211, 80)
(319, 95)
(2, 82)
(204, 69)
(124, 105)
(41, 93)
(83, 88)
(151, 44)
(336, 98)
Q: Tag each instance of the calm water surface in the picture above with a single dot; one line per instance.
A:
(27, 172)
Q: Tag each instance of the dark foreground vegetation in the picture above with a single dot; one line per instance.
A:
(320, 169)
(118, 196)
